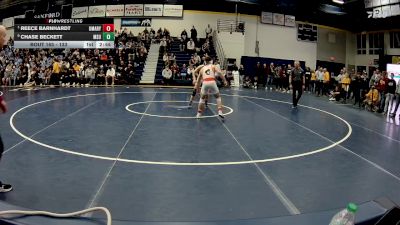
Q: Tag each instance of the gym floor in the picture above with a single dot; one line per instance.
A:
(141, 153)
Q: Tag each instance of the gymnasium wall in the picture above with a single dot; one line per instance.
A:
(331, 45)
(275, 41)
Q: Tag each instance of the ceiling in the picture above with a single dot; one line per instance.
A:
(354, 16)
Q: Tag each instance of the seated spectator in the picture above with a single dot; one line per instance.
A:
(191, 47)
(172, 58)
(175, 70)
(372, 99)
(247, 82)
(90, 75)
(101, 77)
(182, 44)
(163, 45)
(184, 72)
(205, 47)
(192, 61)
(167, 75)
(110, 74)
(190, 71)
(336, 94)
(166, 58)
(197, 59)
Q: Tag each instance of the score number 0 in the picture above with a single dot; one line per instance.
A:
(108, 27)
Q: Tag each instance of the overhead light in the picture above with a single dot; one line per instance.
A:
(338, 1)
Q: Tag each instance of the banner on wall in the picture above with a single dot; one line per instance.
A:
(115, 10)
(153, 10)
(134, 10)
(80, 12)
(52, 12)
(290, 21)
(97, 11)
(278, 19)
(135, 22)
(8, 22)
(266, 17)
(173, 10)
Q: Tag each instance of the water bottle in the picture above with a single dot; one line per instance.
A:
(346, 216)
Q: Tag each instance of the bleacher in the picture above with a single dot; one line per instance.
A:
(181, 58)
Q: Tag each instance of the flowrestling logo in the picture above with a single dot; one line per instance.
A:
(135, 22)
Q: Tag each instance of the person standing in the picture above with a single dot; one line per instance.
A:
(390, 92)
(297, 82)
(357, 86)
(3, 107)
(320, 79)
(393, 114)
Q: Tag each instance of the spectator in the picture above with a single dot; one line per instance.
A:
(327, 78)
(163, 45)
(190, 71)
(184, 34)
(208, 31)
(381, 86)
(110, 74)
(390, 93)
(320, 81)
(345, 86)
(193, 34)
(166, 59)
(191, 47)
(197, 59)
(372, 99)
(313, 80)
(308, 79)
(336, 94)
(90, 74)
(375, 78)
(356, 84)
(175, 70)
(271, 75)
(205, 48)
(242, 74)
(393, 114)
(167, 75)
(184, 72)
(56, 72)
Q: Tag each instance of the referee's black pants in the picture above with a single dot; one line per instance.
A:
(297, 91)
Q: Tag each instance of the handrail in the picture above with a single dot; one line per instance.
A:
(219, 50)
(231, 26)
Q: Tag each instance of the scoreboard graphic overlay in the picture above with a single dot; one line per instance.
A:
(64, 33)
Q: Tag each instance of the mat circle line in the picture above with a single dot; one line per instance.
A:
(164, 163)
(172, 117)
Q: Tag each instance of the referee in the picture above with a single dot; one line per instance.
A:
(3, 108)
(297, 83)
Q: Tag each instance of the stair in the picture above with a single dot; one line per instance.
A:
(149, 71)
(181, 58)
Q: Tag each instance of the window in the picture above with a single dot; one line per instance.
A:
(361, 44)
(394, 39)
(375, 43)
